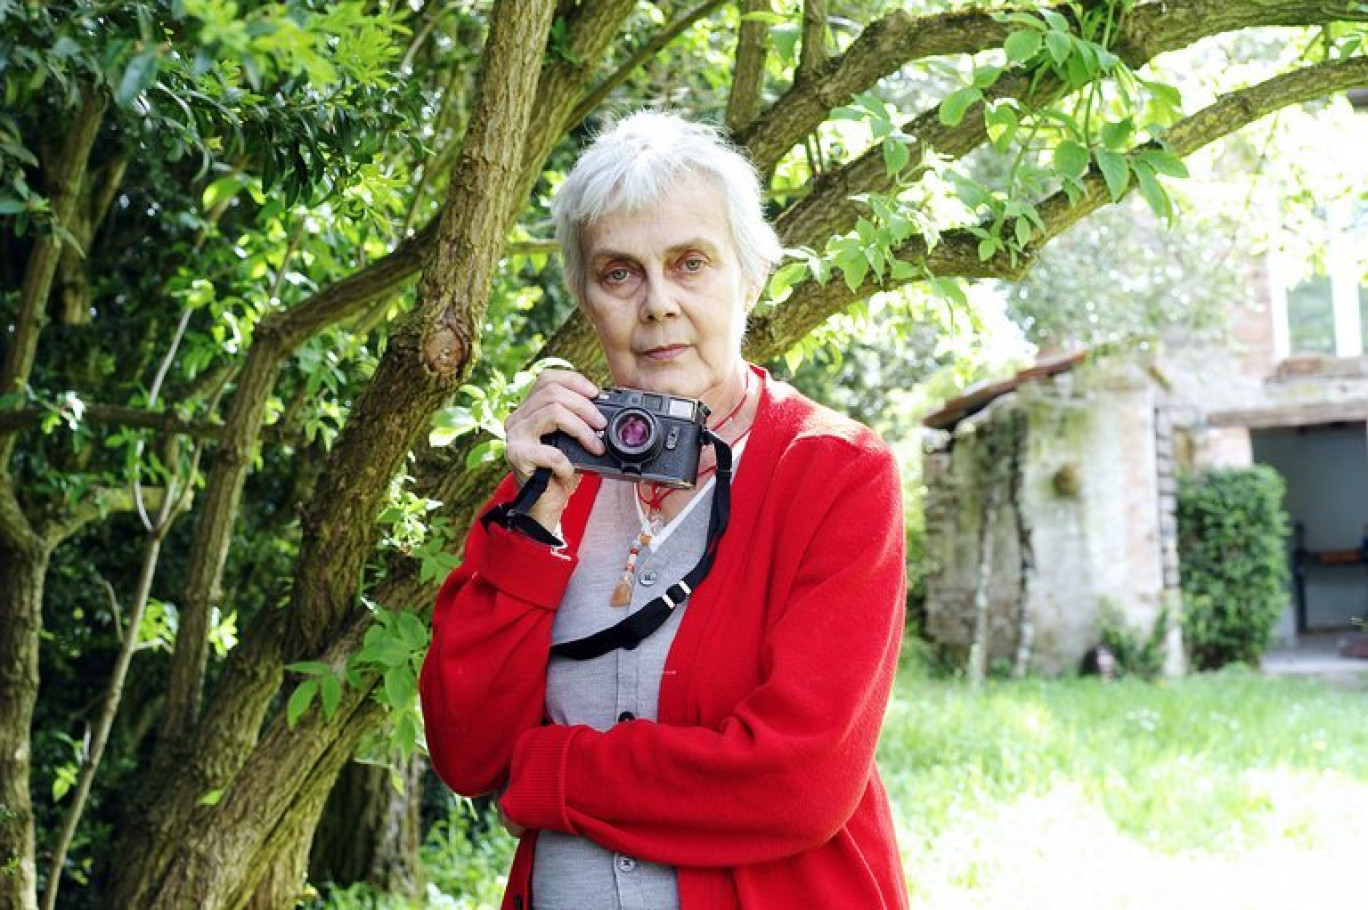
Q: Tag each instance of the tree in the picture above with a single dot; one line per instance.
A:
(237, 203)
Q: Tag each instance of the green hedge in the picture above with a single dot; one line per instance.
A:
(1233, 559)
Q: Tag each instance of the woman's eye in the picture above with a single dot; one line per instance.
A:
(694, 264)
(616, 276)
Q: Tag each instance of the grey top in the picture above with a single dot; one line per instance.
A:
(573, 873)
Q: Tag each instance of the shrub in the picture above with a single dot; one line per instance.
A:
(1233, 559)
(1137, 652)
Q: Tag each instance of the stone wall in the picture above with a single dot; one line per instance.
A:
(1084, 517)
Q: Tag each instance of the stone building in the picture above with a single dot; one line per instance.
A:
(1070, 464)
(1073, 467)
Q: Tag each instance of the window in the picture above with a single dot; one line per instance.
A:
(1320, 303)
(1311, 317)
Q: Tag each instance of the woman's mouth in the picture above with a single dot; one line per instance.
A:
(665, 352)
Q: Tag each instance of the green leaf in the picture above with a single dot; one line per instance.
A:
(1022, 45)
(1153, 191)
(406, 733)
(1070, 158)
(1022, 231)
(950, 289)
(1166, 163)
(1165, 94)
(487, 451)
(219, 190)
(12, 206)
(986, 248)
(895, 155)
(211, 798)
(1026, 19)
(986, 76)
(970, 192)
(399, 687)
(785, 39)
(299, 700)
(1116, 136)
(385, 652)
(1115, 170)
(309, 667)
(1059, 45)
(854, 269)
(954, 107)
(412, 632)
(1002, 124)
(331, 689)
(1056, 22)
(140, 74)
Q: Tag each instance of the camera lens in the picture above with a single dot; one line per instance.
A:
(633, 431)
(632, 435)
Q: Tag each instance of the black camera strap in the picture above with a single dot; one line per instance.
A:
(633, 630)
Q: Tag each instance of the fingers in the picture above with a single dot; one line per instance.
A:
(559, 400)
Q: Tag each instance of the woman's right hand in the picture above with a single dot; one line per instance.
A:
(559, 400)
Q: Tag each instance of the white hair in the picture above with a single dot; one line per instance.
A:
(633, 163)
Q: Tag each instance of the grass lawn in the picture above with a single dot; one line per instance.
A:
(1221, 792)
(1226, 791)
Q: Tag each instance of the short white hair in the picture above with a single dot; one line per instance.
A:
(633, 163)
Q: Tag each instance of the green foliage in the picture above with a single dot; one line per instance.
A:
(394, 649)
(465, 857)
(1232, 552)
(1138, 652)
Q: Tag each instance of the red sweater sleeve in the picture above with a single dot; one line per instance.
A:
(785, 771)
(491, 629)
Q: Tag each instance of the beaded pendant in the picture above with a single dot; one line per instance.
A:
(622, 592)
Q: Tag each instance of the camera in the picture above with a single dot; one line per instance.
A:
(650, 438)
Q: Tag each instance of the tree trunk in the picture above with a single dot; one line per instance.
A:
(978, 649)
(23, 565)
(370, 831)
(212, 857)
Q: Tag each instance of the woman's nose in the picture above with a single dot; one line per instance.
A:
(658, 301)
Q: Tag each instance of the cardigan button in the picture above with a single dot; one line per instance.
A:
(649, 578)
(625, 864)
(626, 716)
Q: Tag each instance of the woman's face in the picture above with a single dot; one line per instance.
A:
(665, 290)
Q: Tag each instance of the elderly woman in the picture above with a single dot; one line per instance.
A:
(722, 754)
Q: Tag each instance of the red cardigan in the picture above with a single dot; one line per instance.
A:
(758, 782)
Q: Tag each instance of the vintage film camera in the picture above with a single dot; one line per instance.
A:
(650, 438)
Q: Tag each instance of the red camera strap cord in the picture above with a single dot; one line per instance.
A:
(632, 630)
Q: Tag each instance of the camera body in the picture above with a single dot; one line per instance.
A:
(650, 438)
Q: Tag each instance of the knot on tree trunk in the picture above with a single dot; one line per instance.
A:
(446, 351)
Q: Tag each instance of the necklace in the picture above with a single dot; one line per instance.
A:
(654, 502)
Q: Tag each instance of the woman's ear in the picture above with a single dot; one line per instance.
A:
(753, 294)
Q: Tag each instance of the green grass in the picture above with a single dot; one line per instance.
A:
(1219, 791)
(1225, 791)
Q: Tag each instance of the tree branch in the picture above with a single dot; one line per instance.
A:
(814, 51)
(881, 49)
(119, 416)
(659, 41)
(830, 208)
(956, 255)
(748, 75)
(98, 503)
(886, 45)
(63, 193)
